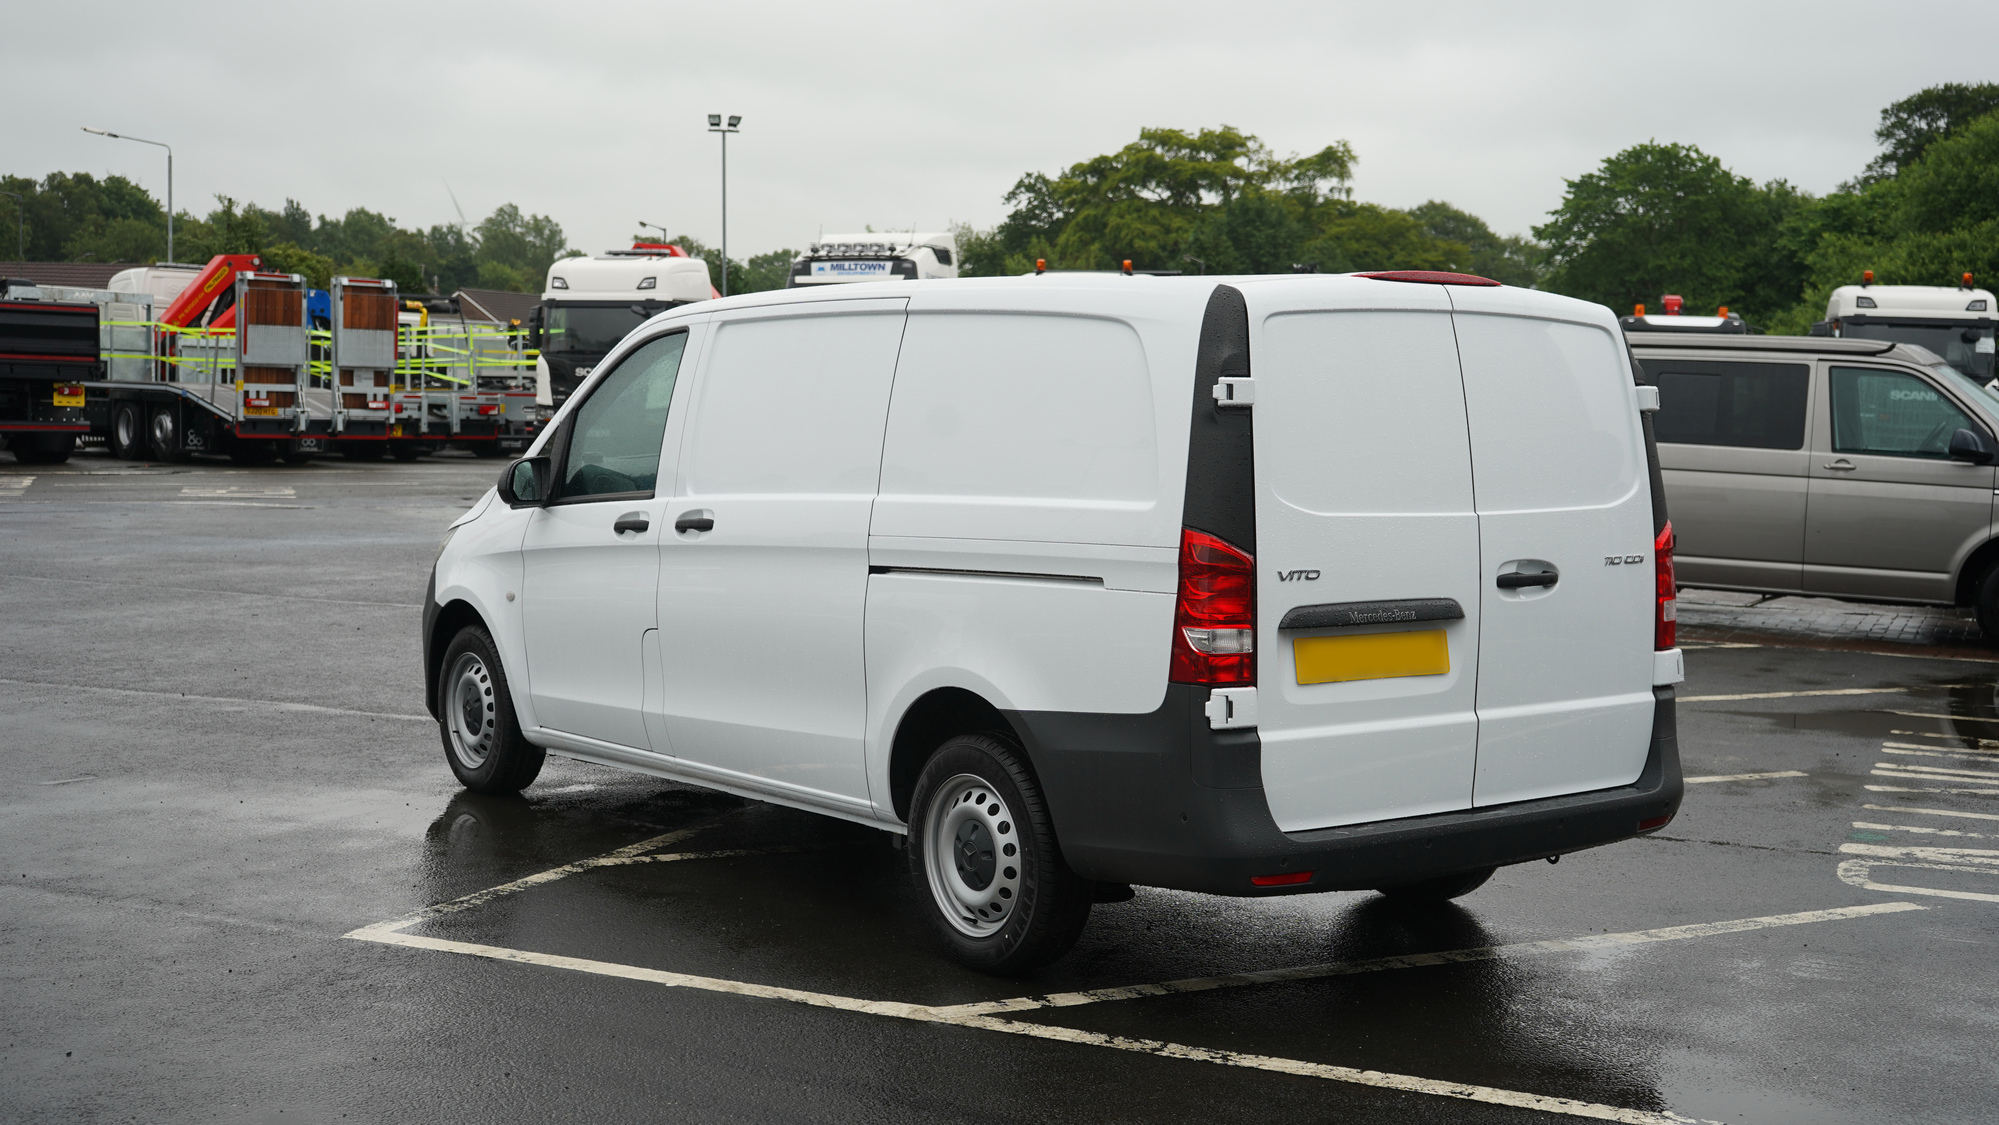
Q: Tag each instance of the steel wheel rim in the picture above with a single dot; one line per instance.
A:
(128, 430)
(470, 711)
(163, 429)
(971, 855)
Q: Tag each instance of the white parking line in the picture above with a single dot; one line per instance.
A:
(1933, 752)
(1933, 812)
(1910, 769)
(276, 704)
(976, 1016)
(1987, 743)
(1922, 831)
(1743, 776)
(1920, 789)
(1421, 960)
(1801, 694)
(1961, 861)
(1936, 715)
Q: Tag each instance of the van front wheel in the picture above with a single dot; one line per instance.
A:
(985, 856)
(475, 714)
(1440, 889)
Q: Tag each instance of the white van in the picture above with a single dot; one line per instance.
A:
(1248, 586)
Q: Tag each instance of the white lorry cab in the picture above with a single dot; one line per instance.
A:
(1955, 323)
(588, 304)
(1246, 586)
(875, 256)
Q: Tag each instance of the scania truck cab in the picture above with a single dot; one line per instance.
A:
(872, 256)
(589, 304)
(1955, 323)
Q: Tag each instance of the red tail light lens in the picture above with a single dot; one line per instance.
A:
(1668, 620)
(1288, 879)
(1214, 621)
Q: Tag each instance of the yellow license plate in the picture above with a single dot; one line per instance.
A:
(259, 411)
(1375, 656)
(69, 400)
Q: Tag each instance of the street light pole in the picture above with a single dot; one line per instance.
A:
(715, 126)
(20, 227)
(170, 177)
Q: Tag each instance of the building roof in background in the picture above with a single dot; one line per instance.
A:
(497, 304)
(70, 275)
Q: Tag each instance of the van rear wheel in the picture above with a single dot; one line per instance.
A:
(1987, 603)
(483, 743)
(1443, 888)
(986, 859)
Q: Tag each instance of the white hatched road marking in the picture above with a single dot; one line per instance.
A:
(15, 484)
(1743, 776)
(1908, 769)
(1935, 715)
(1933, 812)
(1887, 828)
(1983, 742)
(1923, 789)
(976, 1015)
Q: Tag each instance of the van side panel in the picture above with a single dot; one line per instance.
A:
(1565, 697)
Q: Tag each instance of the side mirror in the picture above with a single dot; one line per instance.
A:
(1966, 445)
(534, 329)
(525, 483)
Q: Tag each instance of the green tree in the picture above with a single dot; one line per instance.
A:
(77, 217)
(289, 257)
(1669, 218)
(1507, 259)
(770, 270)
(1909, 127)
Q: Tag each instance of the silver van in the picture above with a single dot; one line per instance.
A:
(1845, 468)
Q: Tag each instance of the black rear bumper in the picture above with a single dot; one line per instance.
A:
(1161, 800)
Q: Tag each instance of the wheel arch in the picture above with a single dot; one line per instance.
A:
(1976, 565)
(934, 716)
(453, 616)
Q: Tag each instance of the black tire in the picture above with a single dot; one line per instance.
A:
(1987, 603)
(163, 435)
(482, 737)
(42, 449)
(995, 912)
(1443, 888)
(128, 432)
(406, 450)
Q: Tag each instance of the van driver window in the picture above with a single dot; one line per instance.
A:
(617, 431)
(1891, 413)
(1747, 405)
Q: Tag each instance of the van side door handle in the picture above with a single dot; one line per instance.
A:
(694, 523)
(1519, 581)
(631, 521)
(1840, 465)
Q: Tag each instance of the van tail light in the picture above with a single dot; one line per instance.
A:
(1668, 620)
(1214, 618)
(1288, 879)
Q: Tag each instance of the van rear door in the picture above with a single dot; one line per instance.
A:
(1565, 529)
(1367, 554)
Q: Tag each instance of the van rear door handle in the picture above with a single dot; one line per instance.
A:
(1518, 580)
(631, 521)
(694, 523)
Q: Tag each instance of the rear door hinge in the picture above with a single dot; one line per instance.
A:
(1231, 708)
(1232, 391)
(1648, 399)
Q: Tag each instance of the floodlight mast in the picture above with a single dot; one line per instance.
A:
(715, 126)
(170, 176)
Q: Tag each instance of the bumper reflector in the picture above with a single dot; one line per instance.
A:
(1655, 822)
(1288, 879)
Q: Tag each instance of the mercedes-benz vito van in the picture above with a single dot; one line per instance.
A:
(1247, 586)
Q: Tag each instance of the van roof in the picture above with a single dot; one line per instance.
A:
(1656, 342)
(1928, 302)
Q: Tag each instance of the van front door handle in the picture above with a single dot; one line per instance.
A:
(631, 521)
(1842, 465)
(1520, 581)
(694, 523)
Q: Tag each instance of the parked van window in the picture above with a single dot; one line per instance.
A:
(1891, 413)
(615, 450)
(1034, 427)
(1745, 405)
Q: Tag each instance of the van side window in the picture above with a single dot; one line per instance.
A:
(1891, 413)
(1748, 405)
(615, 434)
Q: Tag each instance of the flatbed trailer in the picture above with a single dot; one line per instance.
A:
(49, 354)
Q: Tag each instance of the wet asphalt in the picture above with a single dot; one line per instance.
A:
(217, 766)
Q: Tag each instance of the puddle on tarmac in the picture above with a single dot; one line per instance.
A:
(1962, 715)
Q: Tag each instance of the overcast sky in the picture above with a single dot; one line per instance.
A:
(902, 115)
